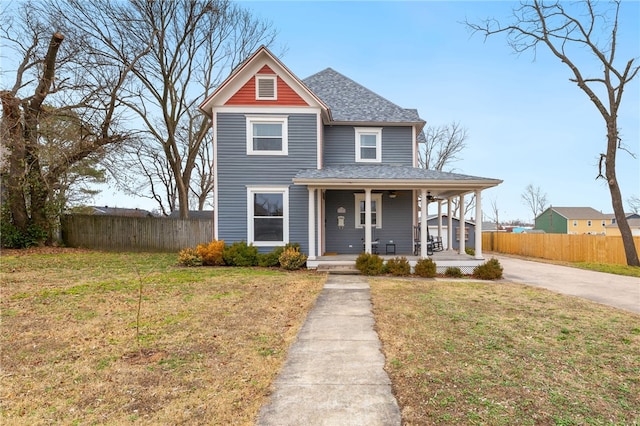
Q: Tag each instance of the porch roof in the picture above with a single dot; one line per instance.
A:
(381, 176)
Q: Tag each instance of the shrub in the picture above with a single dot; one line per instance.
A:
(240, 254)
(12, 237)
(271, 259)
(189, 257)
(425, 268)
(291, 259)
(470, 251)
(453, 272)
(398, 266)
(211, 253)
(370, 264)
(490, 270)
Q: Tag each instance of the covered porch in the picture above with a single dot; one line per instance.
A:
(377, 208)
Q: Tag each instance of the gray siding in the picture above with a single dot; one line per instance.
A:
(396, 223)
(237, 170)
(339, 148)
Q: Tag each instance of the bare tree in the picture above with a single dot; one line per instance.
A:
(535, 199)
(494, 215)
(80, 87)
(195, 44)
(634, 204)
(561, 28)
(443, 145)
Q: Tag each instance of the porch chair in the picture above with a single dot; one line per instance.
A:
(375, 242)
(416, 242)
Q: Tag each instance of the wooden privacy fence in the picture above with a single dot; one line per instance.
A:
(119, 233)
(564, 247)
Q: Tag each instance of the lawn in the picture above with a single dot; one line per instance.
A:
(502, 354)
(208, 342)
(203, 349)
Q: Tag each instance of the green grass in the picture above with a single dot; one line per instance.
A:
(631, 271)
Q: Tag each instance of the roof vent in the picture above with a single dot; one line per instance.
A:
(266, 87)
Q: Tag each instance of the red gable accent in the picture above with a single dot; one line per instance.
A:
(266, 70)
(247, 94)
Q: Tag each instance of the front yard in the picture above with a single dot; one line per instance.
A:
(208, 342)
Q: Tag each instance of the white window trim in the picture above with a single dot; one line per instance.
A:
(275, 87)
(377, 197)
(377, 131)
(267, 119)
(284, 190)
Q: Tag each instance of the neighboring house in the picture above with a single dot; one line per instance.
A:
(572, 220)
(117, 211)
(634, 224)
(443, 232)
(194, 214)
(323, 162)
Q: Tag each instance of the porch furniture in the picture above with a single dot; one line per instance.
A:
(437, 244)
(390, 248)
(416, 242)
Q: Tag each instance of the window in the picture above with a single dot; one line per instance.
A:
(267, 135)
(268, 215)
(466, 233)
(266, 87)
(368, 145)
(376, 210)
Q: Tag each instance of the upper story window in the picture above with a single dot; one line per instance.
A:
(266, 87)
(267, 135)
(361, 210)
(368, 144)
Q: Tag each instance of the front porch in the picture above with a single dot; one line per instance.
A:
(443, 260)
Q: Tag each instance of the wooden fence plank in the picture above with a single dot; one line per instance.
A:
(562, 247)
(119, 233)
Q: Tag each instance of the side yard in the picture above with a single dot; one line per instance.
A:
(204, 350)
(501, 353)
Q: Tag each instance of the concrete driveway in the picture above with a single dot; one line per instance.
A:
(613, 290)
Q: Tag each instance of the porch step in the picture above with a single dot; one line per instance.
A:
(338, 269)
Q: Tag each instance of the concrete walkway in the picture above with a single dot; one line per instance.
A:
(614, 290)
(334, 371)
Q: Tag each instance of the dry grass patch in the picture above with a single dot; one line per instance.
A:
(210, 340)
(500, 353)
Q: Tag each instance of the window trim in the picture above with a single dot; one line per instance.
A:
(282, 120)
(360, 196)
(284, 190)
(360, 131)
(273, 78)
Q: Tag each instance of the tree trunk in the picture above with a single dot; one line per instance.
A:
(13, 140)
(616, 197)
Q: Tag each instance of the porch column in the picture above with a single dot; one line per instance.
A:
(312, 223)
(424, 207)
(320, 221)
(449, 225)
(461, 225)
(440, 218)
(367, 220)
(478, 232)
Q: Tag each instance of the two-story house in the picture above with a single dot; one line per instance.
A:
(573, 220)
(323, 162)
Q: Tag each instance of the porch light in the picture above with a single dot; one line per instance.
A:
(393, 194)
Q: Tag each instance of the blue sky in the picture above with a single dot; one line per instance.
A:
(527, 123)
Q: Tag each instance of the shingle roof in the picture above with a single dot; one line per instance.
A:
(383, 172)
(352, 102)
(579, 212)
